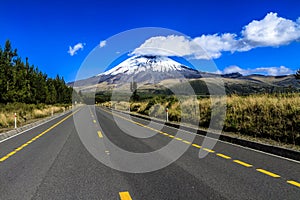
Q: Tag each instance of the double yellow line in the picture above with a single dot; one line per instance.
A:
(35, 138)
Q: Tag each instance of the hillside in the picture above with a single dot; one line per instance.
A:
(154, 74)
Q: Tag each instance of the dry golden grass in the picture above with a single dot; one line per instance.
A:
(275, 117)
(25, 113)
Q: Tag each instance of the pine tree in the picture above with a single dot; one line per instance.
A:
(22, 82)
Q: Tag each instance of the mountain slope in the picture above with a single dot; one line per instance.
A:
(151, 69)
(157, 72)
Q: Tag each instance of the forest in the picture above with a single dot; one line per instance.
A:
(23, 82)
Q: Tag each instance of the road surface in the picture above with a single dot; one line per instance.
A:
(51, 162)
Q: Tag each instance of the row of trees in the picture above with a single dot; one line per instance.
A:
(22, 82)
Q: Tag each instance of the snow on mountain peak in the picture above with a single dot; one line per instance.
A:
(136, 64)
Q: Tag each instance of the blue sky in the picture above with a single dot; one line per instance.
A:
(45, 30)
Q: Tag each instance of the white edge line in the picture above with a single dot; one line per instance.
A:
(33, 127)
(288, 159)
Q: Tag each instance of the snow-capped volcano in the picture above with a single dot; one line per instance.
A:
(149, 69)
(146, 69)
(137, 64)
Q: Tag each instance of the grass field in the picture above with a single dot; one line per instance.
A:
(26, 113)
(275, 117)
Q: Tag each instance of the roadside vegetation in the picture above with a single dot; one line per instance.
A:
(270, 116)
(23, 82)
(26, 113)
(27, 91)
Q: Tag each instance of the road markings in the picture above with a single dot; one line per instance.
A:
(36, 137)
(242, 163)
(196, 145)
(268, 173)
(166, 134)
(3, 158)
(100, 134)
(209, 150)
(187, 142)
(294, 183)
(94, 121)
(107, 152)
(297, 184)
(223, 156)
(125, 195)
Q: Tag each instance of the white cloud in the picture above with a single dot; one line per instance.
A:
(270, 31)
(272, 71)
(102, 43)
(72, 50)
(215, 44)
(233, 69)
(171, 45)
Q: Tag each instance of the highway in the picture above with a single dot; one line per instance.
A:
(51, 162)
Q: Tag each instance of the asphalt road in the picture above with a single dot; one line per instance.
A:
(53, 161)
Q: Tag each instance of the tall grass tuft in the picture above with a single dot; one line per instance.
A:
(26, 113)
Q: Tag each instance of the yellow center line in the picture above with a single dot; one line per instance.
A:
(179, 139)
(100, 134)
(125, 195)
(19, 148)
(196, 145)
(208, 150)
(294, 183)
(11, 153)
(242, 163)
(187, 142)
(36, 137)
(3, 158)
(166, 134)
(223, 156)
(268, 173)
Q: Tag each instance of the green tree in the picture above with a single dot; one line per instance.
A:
(22, 82)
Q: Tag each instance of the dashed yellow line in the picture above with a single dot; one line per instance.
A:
(242, 163)
(294, 183)
(187, 142)
(125, 195)
(223, 156)
(208, 150)
(166, 134)
(3, 158)
(196, 145)
(268, 173)
(35, 138)
(100, 134)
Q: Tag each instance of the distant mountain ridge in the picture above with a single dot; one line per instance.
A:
(152, 70)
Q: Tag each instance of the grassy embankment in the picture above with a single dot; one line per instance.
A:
(271, 117)
(26, 113)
